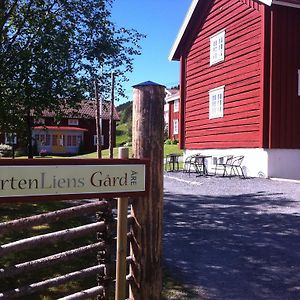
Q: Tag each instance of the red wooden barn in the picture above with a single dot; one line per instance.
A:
(171, 108)
(240, 83)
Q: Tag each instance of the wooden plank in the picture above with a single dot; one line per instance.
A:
(49, 260)
(51, 216)
(120, 293)
(39, 286)
(50, 238)
(86, 294)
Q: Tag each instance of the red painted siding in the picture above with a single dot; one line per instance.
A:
(240, 72)
(173, 116)
(285, 63)
(182, 102)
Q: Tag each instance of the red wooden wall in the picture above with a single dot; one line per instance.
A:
(285, 63)
(172, 116)
(240, 72)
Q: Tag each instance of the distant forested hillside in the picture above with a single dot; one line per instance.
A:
(125, 112)
(124, 129)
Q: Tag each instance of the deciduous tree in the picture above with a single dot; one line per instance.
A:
(50, 52)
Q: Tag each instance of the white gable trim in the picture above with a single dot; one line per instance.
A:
(183, 28)
(172, 98)
(286, 4)
(190, 13)
(267, 2)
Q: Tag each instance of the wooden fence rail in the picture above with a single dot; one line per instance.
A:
(36, 264)
(99, 210)
(103, 270)
(51, 238)
(42, 285)
(86, 294)
(66, 213)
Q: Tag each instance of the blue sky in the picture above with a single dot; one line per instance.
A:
(160, 20)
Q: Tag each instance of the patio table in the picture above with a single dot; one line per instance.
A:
(200, 166)
(172, 162)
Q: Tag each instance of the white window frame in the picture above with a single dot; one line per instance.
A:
(95, 140)
(73, 122)
(176, 105)
(175, 126)
(216, 102)
(217, 47)
(298, 82)
(166, 117)
(10, 138)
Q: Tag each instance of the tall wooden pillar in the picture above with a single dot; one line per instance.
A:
(147, 142)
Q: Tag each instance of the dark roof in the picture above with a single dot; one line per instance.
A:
(87, 110)
(62, 128)
(147, 83)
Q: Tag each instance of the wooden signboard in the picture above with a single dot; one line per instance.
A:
(63, 179)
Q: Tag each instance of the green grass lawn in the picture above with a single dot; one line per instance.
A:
(122, 134)
(105, 153)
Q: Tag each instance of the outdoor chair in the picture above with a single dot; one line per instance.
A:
(236, 166)
(223, 163)
(232, 166)
(190, 163)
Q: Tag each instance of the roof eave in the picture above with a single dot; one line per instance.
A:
(287, 4)
(174, 50)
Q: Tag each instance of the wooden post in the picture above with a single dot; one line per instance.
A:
(121, 240)
(98, 120)
(111, 121)
(146, 242)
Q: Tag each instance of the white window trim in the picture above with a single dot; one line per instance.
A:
(220, 54)
(95, 140)
(175, 128)
(176, 105)
(215, 92)
(74, 122)
(298, 82)
(10, 138)
(166, 117)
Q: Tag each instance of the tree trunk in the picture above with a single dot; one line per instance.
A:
(146, 244)
(29, 136)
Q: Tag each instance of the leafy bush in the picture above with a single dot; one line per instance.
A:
(168, 142)
(175, 142)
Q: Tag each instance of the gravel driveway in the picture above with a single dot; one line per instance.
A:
(232, 238)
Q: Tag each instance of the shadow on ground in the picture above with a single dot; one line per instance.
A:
(234, 247)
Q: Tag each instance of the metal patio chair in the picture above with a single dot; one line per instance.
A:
(223, 163)
(236, 166)
(190, 163)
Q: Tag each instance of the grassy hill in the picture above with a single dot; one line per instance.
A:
(124, 128)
